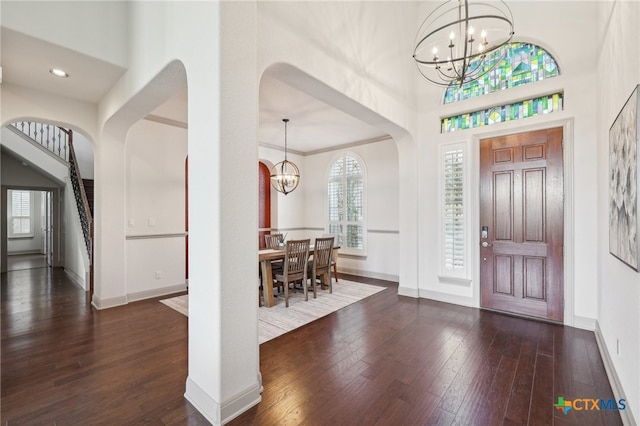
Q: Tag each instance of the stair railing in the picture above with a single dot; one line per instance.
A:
(59, 141)
(49, 136)
(86, 219)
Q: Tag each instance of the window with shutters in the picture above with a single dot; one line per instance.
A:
(20, 214)
(454, 241)
(345, 200)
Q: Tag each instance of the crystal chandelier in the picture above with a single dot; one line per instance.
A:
(455, 39)
(285, 175)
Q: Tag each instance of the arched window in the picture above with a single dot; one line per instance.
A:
(345, 200)
(517, 64)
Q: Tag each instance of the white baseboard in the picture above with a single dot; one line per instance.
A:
(156, 292)
(368, 274)
(77, 279)
(614, 380)
(447, 298)
(132, 297)
(108, 303)
(219, 414)
(584, 323)
(408, 291)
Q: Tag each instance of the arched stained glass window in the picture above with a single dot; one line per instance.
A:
(518, 64)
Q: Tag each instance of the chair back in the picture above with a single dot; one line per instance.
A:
(296, 256)
(322, 253)
(334, 252)
(272, 240)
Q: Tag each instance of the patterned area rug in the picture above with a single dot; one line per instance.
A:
(275, 321)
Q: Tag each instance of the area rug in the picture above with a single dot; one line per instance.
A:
(277, 320)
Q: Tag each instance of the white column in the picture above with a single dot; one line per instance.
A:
(223, 339)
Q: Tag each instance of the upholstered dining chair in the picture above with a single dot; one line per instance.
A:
(295, 267)
(320, 266)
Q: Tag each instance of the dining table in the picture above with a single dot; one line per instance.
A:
(265, 257)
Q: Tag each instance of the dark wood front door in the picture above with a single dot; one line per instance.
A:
(521, 220)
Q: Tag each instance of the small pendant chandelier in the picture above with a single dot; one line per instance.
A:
(285, 175)
(455, 40)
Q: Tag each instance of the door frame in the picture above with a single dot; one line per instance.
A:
(569, 227)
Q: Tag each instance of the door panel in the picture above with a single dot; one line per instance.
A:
(521, 200)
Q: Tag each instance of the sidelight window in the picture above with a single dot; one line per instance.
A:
(453, 213)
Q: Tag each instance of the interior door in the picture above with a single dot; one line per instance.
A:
(521, 219)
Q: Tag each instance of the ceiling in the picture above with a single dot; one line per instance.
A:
(314, 126)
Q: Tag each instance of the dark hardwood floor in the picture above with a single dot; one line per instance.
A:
(387, 360)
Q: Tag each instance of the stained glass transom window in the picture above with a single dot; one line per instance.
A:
(518, 64)
(503, 113)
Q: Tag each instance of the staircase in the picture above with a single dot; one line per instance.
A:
(58, 142)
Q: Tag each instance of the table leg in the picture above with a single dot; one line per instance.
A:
(267, 283)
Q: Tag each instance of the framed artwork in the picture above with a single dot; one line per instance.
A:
(623, 183)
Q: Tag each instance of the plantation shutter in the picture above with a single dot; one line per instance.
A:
(453, 210)
(20, 213)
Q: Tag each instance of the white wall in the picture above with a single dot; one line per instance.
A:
(93, 28)
(165, 49)
(572, 48)
(382, 206)
(84, 154)
(155, 204)
(618, 285)
(343, 54)
(302, 213)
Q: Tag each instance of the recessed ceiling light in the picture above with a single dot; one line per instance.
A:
(58, 73)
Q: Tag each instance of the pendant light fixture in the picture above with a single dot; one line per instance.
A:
(285, 175)
(455, 40)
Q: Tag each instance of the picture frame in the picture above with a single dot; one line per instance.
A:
(624, 240)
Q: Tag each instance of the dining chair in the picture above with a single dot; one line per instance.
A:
(320, 266)
(295, 267)
(272, 240)
(334, 255)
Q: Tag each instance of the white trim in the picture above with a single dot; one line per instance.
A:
(616, 386)
(584, 323)
(108, 303)
(156, 292)
(221, 413)
(77, 279)
(368, 274)
(446, 279)
(202, 401)
(408, 292)
(154, 236)
(447, 298)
